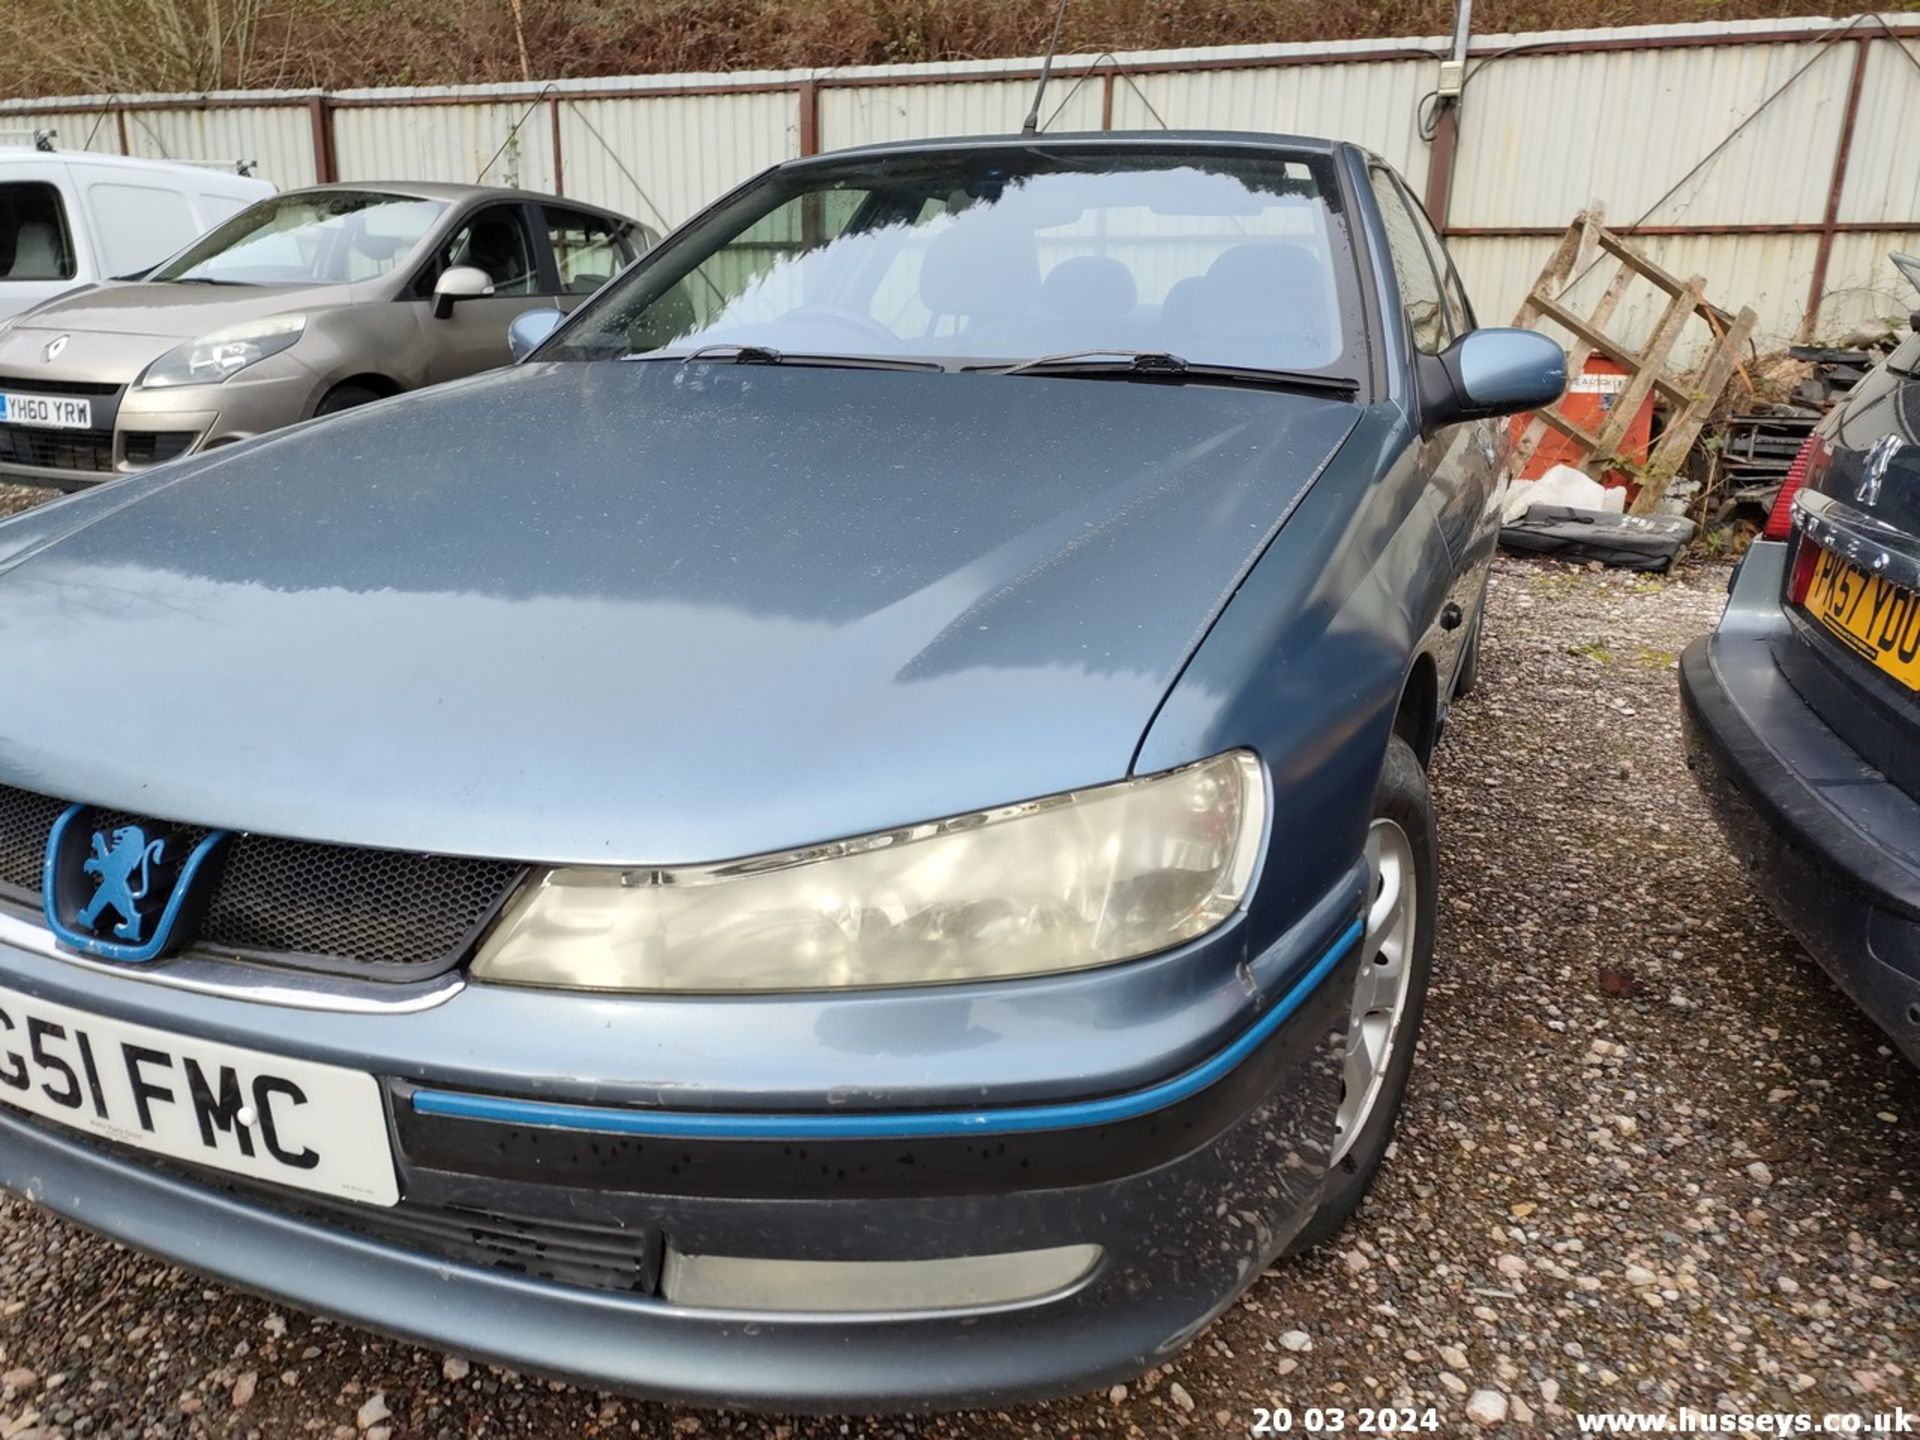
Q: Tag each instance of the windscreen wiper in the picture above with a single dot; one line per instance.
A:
(1161, 365)
(1074, 362)
(205, 280)
(730, 354)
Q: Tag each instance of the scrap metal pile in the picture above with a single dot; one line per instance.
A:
(1738, 467)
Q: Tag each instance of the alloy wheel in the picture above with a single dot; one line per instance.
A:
(1380, 989)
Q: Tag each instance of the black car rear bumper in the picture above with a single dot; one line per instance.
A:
(1831, 842)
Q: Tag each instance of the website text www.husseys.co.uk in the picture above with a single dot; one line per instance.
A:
(1897, 1421)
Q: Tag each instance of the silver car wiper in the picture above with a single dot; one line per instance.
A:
(730, 354)
(1162, 365)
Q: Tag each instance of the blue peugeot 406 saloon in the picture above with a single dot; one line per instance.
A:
(850, 833)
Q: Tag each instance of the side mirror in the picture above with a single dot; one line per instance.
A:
(1487, 373)
(458, 282)
(529, 328)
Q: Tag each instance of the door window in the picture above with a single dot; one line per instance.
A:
(1420, 290)
(35, 243)
(496, 241)
(587, 249)
(1452, 293)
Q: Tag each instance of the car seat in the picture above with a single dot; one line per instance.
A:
(36, 253)
(984, 275)
(1089, 287)
(1276, 296)
(499, 248)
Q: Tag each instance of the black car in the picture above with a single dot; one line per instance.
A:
(1803, 708)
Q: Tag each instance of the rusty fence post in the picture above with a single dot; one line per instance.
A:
(320, 116)
(808, 96)
(1829, 226)
(1440, 163)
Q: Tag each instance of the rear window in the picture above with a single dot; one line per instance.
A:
(35, 243)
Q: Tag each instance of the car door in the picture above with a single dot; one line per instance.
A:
(42, 243)
(499, 239)
(1461, 462)
(588, 250)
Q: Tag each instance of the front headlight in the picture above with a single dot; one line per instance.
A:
(212, 358)
(1061, 883)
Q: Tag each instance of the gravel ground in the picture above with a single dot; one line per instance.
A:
(14, 498)
(1651, 1157)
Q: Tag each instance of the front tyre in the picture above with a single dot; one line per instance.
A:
(1389, 991)
(347, 397)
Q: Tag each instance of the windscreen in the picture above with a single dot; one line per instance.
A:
(1222, 258)
(327, 237)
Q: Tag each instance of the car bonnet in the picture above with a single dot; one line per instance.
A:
(652, 612)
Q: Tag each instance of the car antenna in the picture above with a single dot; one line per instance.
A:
(1031, 125)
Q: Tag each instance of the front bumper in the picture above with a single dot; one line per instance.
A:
(1188, 1185)
(1834, 846)
(151, 427)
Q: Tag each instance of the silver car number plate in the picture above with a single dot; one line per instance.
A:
(293, 1122)
(52, 412)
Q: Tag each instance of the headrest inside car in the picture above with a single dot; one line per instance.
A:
(980, 267)
(1089, 287)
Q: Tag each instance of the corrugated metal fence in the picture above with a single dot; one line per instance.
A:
(1773, 157)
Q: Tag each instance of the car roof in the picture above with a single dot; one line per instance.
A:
(1086, 140)
(455, 194)
(181, 168)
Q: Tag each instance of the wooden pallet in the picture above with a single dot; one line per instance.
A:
(1650, 372)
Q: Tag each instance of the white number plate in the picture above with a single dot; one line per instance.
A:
(54, 412)
(293, 1122)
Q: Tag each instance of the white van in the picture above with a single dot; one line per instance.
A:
(68, 218)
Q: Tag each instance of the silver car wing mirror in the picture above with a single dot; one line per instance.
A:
(530, 328)
(458, 282)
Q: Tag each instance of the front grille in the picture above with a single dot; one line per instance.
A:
(567, 1252)
(89, 450)
(156, 447)
(25, 819)
(22, 385)
(413, 911)
(381, 914)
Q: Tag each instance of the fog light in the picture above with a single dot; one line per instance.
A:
(733, 1282)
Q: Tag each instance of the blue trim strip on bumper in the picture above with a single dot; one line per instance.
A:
(685, 1125)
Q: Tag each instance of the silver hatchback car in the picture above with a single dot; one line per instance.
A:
(306, 303)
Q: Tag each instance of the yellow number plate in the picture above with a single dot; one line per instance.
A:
(1878, 621)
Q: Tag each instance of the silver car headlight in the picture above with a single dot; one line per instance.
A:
(1063, 883)
(213, 358)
